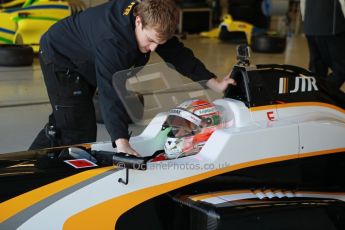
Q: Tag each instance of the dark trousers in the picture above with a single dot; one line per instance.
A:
(73, 118)
(328, 52)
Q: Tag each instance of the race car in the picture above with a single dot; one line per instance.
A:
(231, 30)
(259, 39)
(25, 25)
(281, 153)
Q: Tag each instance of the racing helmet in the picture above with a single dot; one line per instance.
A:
(191, 124)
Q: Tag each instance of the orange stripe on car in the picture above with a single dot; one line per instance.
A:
(216, 194)
(296, 104)
(17, 204)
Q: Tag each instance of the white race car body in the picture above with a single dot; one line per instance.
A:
(95, 198)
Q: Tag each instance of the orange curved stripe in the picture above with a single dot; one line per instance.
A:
(17, 204)
(215, 194)
(296, 104)
(108, 212)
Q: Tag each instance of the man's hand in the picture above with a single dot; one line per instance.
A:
(122, 145)
(219, 85)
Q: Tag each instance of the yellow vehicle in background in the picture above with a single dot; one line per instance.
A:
(22, 24)
(259, 39)
(231, 29)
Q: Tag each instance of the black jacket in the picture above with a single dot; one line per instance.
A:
(323, 17)
(99, 42)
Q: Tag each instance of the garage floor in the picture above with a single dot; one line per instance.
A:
(24, 105)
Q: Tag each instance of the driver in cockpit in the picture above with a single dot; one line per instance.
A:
(190, 125)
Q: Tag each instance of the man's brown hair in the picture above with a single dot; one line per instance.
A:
(160, 15)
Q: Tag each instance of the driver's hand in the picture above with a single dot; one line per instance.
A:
(220, 85)
(122, 145)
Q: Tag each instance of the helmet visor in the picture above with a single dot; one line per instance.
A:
(181, 127)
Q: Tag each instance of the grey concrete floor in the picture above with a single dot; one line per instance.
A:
(24, 106)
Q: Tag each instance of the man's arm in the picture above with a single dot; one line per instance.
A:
(183, 59)
(111, 58)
